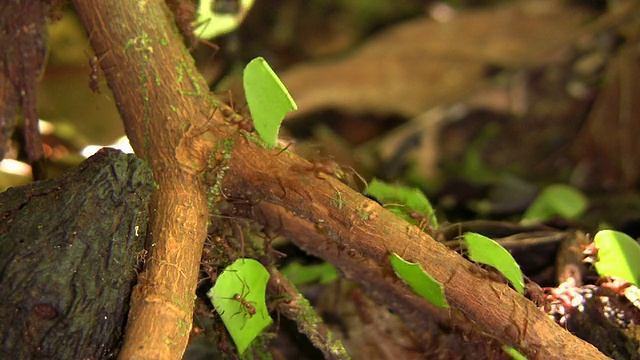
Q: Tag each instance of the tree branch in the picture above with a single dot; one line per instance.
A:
(163, 102)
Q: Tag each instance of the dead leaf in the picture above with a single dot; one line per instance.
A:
(422, 63)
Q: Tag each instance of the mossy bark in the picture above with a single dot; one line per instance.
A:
(68, 255)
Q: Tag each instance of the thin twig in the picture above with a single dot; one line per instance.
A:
(298, 309)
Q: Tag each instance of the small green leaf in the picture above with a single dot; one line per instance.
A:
(486, 251)
(268, 99)
(618, 255)
(412, 198)
(556, 200)
(513, 352)
(419, 281)
(242, 285)
(209, 24)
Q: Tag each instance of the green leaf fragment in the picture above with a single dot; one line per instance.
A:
(247, 279)
(556, 200)
(486, 251)
(209, 23)
(513, 352)
(268, 99)
(419, 281)
(618, 255)
(412, 198)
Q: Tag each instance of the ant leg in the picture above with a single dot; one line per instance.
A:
(213, 113)
(244, 286)
(364, 182)
(230, 97)
(284, 149)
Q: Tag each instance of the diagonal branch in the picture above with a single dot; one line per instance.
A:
(330, 220)
(164, 105)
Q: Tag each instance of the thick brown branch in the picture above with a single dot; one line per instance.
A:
(161, 99)
(356, 234)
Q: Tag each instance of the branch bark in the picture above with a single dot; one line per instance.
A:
(163, 102)
(328, 219)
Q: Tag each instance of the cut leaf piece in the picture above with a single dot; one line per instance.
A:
(412, 198)
(486, 251)
(419, 281)
(238, 297)
(513, 352)
(618, 255)
(268, 99)
(556, 200)
(210, 23)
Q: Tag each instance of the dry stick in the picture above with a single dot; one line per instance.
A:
(302, 313)
(161, 99)
(357, 236)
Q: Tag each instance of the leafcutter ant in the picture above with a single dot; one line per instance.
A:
(512, 330)
(622, 288)
(242, 122)
(269, 235)
(141, 260)
(235, 117)
(246, 306)
(328, 167)
(93, 75)
(534, 292)
(94, 70)
(591, 253)
(331, 168)
(184, 12)
(422, 221)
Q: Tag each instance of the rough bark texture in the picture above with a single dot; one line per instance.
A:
(164, 107)
(328, 219)
(68, 257)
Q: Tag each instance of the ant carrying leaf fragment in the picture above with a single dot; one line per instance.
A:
(239, 298)
(320, 168)
(268, 99)
(215, 18)
(93, 75)
(615, 254)
(419, 281)
(94, 72)
(408, 203)
(184, 13)
(486, 251)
